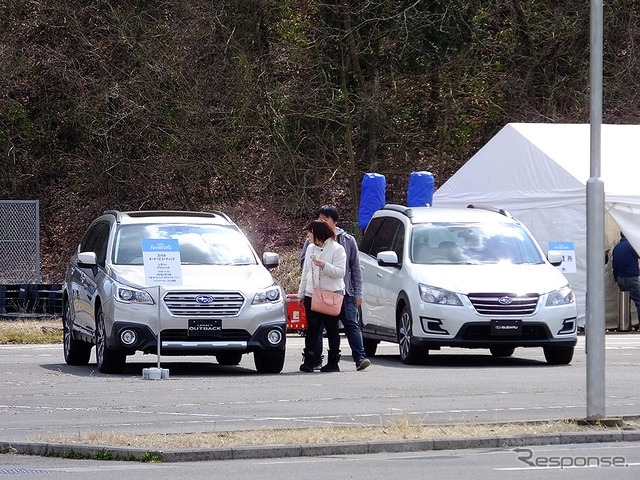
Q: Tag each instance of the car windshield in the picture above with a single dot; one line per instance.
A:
(199, 244)
(465, 243)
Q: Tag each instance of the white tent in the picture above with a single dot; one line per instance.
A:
(538, 172)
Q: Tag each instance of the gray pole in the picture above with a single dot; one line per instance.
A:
(595, 326)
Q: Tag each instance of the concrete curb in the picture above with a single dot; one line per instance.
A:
(311, 450)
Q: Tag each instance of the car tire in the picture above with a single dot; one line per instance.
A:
(229, 358)
(269, 362)
(409, 354)
(502, 351)
(558, 355)
(107, 360)
(76, 352)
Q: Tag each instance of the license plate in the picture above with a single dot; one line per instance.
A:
(204, 327)
(506, 328)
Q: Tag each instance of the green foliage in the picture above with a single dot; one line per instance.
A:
(72, 454)
(152, 457)
(103, 455)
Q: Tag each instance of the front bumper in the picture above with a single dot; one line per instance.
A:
(479, 335)
(178, 342)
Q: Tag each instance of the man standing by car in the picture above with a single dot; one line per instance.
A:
(626, 270)
(353, 286)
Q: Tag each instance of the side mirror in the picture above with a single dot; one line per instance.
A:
(387, 258)
(87, 259)
(555, 258)
(270, 260)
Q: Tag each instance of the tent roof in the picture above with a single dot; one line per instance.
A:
(525, 161)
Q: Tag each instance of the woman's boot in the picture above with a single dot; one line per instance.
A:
(309, 360)
(333, 358)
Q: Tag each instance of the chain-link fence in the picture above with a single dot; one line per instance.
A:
(19, 241)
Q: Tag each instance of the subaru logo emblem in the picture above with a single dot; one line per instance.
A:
(505, 300)
(204, 299)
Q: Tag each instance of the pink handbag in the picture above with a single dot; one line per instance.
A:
(326, 301)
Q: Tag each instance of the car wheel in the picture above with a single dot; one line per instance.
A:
(409, 354)
(269, 362)
(502, 351)
(107, 360)
(76, 352)
(229, 358)
(558, 355)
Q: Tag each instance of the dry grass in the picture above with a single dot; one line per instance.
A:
(35, 331)
(400, 430)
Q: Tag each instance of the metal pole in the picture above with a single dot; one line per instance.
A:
(159, 328)
(595, 321)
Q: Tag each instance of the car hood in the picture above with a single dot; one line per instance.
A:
(202, 277)
(504, 278)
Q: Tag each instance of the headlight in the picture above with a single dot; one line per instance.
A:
(270, 295)
(562, 296)
(132, 295)
(438, 295)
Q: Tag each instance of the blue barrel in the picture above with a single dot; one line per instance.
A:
(420, 191)
(372, 197)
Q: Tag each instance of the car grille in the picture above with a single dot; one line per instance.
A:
(504, 303)
(211, 304)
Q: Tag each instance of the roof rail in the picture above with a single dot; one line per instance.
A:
(167, 213)
(406, 211)
(115, 213)
(222, 214)
(501, 211)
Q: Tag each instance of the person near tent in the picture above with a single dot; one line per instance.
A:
(353, 288)
(324, 267)
(626, 272)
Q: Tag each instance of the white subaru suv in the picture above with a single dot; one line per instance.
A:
(225, 304)
(462, 277)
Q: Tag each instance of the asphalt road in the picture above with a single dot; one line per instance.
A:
(40, 396)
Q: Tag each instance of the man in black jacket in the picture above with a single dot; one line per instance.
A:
(626, 270)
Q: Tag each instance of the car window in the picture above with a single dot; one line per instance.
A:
(88, 236)
(199, 244)
(439, 243)
(385, 237)
(398, 242)
(95, 240)
(370, 234)
(101, 241)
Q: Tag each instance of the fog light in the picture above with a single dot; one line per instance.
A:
(433, 325)
(128, 337)
(274, 336)
(568, 326)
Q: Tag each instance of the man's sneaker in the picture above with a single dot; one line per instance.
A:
(362, 364)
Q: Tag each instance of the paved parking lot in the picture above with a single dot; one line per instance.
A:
(41, 396)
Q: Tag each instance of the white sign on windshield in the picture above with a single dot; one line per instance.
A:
(161, 259)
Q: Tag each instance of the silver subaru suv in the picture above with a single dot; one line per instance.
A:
(225, 304)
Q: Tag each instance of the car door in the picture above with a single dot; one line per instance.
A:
(85, 278)
(381, 282)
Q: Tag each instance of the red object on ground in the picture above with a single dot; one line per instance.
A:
(296, 316)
